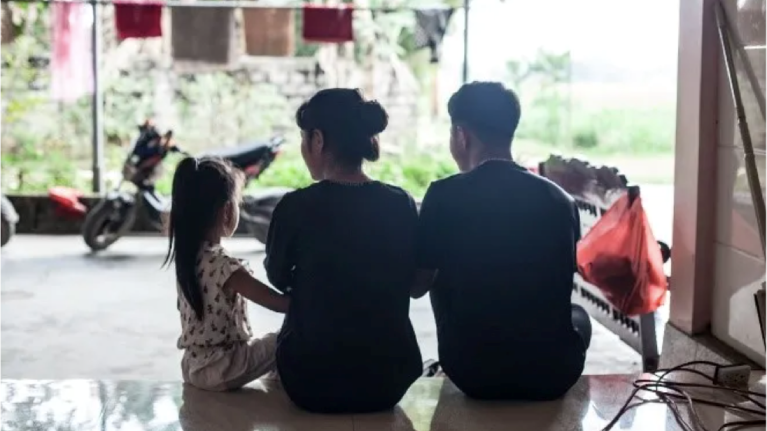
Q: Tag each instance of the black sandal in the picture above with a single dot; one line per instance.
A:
(431, 368)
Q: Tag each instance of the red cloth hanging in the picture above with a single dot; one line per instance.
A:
(138, 19)
(330, 24)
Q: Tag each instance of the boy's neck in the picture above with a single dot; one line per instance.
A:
(490, 154)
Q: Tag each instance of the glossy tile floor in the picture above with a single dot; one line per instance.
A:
(432, 404)
(53, 292)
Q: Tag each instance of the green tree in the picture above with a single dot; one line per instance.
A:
(539, 83)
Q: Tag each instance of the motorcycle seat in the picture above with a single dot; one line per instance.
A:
(267, 193)
(244, 155)
(68, 199)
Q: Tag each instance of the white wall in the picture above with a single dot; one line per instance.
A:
(739, 263)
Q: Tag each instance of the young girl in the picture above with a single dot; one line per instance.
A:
(219, 351)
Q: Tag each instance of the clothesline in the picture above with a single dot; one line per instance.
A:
(208, 40)
(251, 4)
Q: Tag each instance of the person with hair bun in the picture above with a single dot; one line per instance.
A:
(343, 250)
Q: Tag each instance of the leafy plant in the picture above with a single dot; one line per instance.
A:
(585, 139)
(539, 83)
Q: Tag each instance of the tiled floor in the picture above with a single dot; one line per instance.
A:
(430, 405)
(53, 292)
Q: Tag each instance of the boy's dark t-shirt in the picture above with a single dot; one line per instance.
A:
(503, 241)
(346, 256)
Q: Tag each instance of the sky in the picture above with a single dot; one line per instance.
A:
(640, 35)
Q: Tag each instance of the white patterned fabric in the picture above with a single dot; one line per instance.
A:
(219, 351)
(225, 319)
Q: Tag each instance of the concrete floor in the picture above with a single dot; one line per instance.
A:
(67, 314)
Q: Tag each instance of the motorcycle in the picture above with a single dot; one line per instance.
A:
(114, 216)
(8, 219)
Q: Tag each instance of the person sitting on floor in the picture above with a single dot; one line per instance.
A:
(220, 352)
(496, 249)
(343, 249)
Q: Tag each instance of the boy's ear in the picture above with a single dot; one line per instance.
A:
(317, 141)
(462, 137)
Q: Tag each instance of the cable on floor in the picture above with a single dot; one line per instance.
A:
(674, 395)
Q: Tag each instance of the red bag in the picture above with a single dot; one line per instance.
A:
(620, 256)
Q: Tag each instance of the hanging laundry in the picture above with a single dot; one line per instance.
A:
(269, 31)
(331, 24)
(431, 26)
(138, 19)
(71, 59)
(203, 37)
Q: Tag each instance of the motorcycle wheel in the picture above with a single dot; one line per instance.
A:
(100, 231)
(260, 231)
(7, 229)
(256, 226)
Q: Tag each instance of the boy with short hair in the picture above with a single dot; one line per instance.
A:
(496, 248)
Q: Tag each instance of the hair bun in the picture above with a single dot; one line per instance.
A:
(373, 118)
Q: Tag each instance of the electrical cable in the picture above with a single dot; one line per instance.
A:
(684, 366)
(748, 395)
(689, 399)
(671, 393)
(736, 425)
(627, 406)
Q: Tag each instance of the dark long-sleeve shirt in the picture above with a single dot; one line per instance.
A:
(346, 256)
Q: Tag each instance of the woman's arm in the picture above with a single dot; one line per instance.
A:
(246, 285)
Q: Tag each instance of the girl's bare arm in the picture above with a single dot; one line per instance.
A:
(246, 285)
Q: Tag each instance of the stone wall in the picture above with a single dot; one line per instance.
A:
(295, 78)
(39, 215)
(298, 78)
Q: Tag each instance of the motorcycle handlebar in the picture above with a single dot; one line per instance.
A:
(176, 149)
(277, 141)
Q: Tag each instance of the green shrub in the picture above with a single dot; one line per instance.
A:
(288, 170)
(629, 131)
(411, 171)
(585, 139)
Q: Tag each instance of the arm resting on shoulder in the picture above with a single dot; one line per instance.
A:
(246, 285)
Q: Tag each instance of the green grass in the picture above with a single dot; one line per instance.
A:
(628, 128)
(412, 170)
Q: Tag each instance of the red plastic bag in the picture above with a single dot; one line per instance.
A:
(620, 256)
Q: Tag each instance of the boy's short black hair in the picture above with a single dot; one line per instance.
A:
(488, 110)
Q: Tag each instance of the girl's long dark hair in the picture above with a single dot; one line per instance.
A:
(201, 190)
